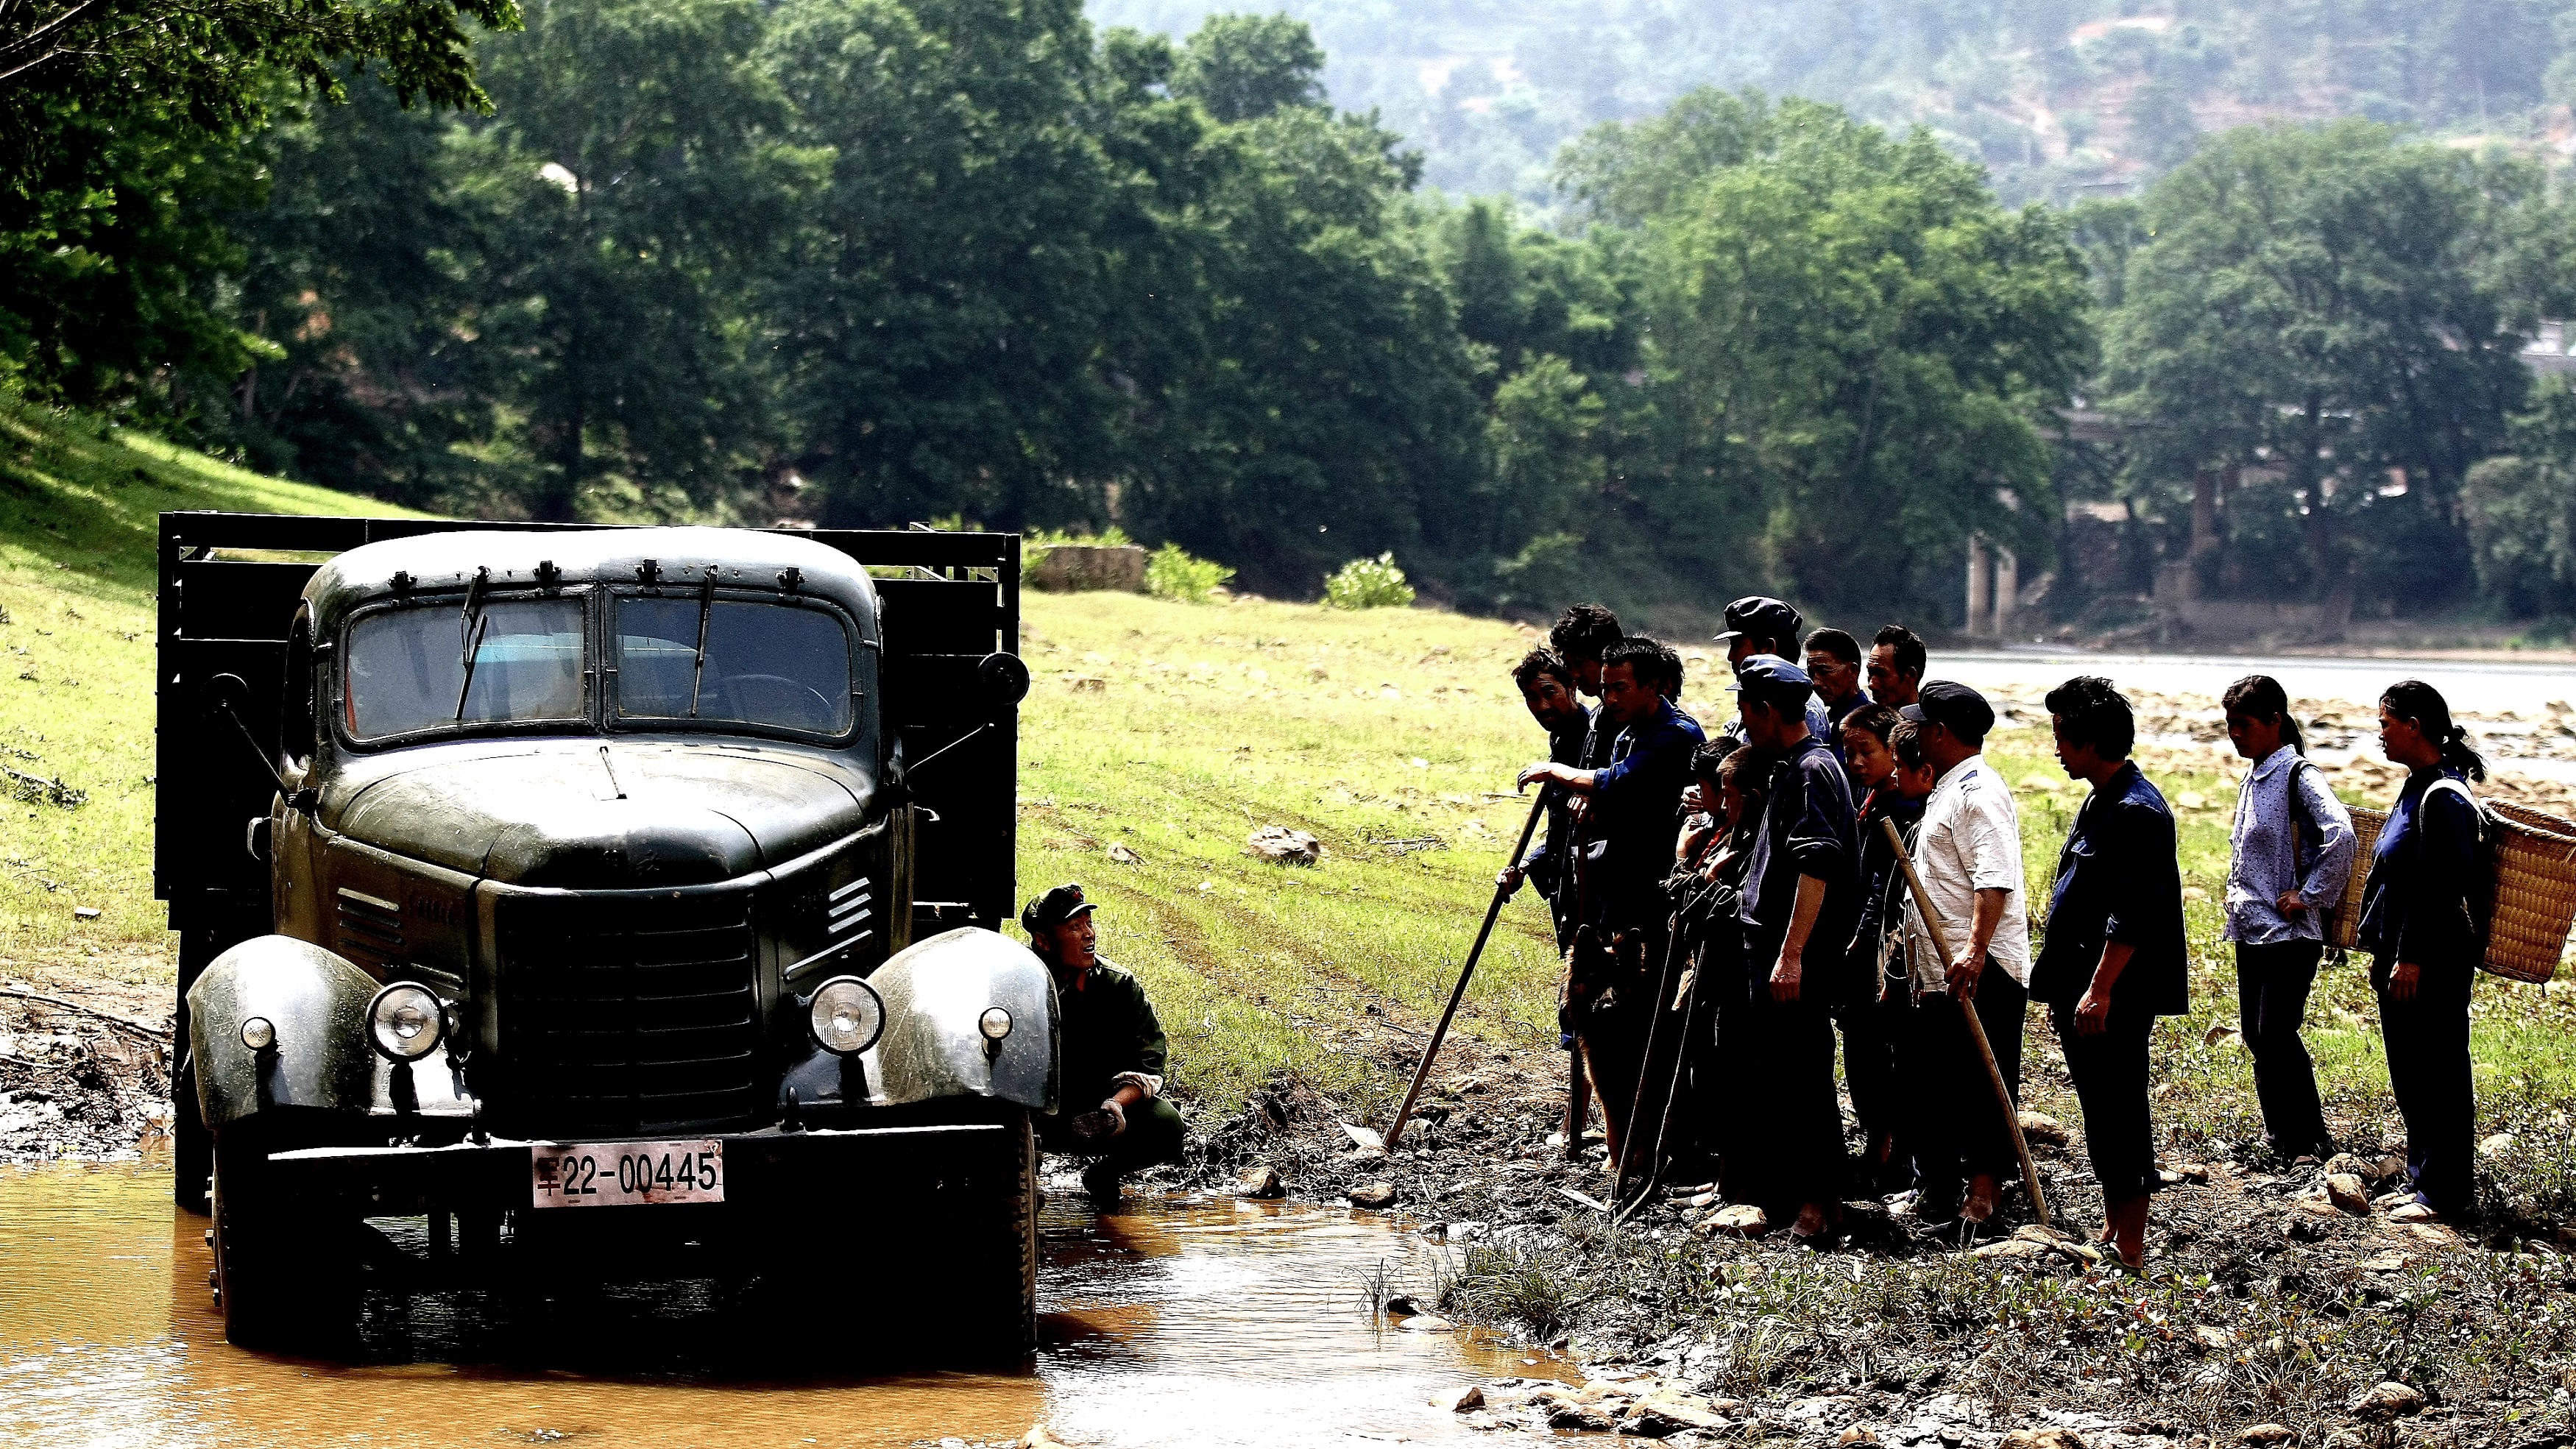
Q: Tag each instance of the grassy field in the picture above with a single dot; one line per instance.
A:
(78, 501)
(1158, 738)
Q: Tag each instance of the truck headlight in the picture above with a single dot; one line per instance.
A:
(995, 1024)
(258, 1033)
(405, 1021)
(847, 1016)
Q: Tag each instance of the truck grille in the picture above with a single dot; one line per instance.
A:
(631, 1016)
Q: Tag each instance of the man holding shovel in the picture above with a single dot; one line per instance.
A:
(1968, 852)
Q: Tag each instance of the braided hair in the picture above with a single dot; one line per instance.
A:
(2422, 705)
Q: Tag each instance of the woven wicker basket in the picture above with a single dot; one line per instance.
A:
(2535, 890)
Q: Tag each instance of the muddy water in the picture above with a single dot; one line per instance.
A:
(1207, 1322)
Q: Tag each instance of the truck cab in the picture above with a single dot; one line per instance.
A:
(521, 870)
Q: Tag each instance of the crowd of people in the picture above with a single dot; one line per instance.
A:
(1841, 862)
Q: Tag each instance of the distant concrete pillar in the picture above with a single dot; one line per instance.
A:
(1980, 602)
(2007, 591)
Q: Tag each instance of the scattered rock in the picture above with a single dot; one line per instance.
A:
(1039, 1438)
(1858, 1435)
(1123, 855)
(2193, 1172)
(2267, 1434)
(1282, 846)
(1372, 1195)
(1663, 1415)
(1427, 1323)
(1401, 1305)
(2496, 1146)
(1363, 1138)
(1742, 1219)
(2213, 1337)
(2053, 1437)
(1578, 1417)
(2391, 1262)
(2366, 1169)
(1261, 1182)
(2389, 1400)
(2303, 1227)
(2345, 1191)
(2039, 1129)
(2007, 1249)
(2216, 1034)
(1462, 1401)
(2410, 1212)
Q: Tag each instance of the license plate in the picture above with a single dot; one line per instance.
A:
(614, 1174)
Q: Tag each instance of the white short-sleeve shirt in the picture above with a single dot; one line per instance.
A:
(1970, 840)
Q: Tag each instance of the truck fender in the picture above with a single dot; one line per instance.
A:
(314, 1001)
(936, 993)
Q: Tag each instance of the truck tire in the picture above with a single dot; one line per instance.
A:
(993, 1302)
(280, 1277)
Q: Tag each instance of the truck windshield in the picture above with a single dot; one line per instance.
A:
(407, 668)
(779, 665)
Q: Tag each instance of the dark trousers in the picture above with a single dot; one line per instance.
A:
(2428, 1070)
(2110, 1072)
(1792, 1126)
(2272, 983)
(1153, 1135)
(1959, 1130)
(1869, 1061)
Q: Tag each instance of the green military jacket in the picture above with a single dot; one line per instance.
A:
(1106, 1030)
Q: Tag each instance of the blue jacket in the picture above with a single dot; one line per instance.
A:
(1635, 799)
(2118, 879)
(2415, 902)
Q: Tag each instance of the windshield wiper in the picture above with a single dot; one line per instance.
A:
(706, 606)
(470, 628)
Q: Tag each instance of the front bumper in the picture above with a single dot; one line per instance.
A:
(769, 1171)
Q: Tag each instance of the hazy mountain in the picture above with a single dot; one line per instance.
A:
(2058, 97)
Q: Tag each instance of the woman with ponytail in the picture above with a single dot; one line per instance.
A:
(2290, 853)
(2418, 923)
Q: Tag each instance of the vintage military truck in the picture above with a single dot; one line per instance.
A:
(523, 870)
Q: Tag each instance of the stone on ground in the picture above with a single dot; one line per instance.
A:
(1427, 1323)
(2389, 1400)
(1283, 846)
(2053, 1437)
(1372, 1195)
(1741, 1219)
(2267, 1434)
(2345, 1191)
(1365, 1139)
(1260, 1182)
(1461, 1401)
(2040, 1129)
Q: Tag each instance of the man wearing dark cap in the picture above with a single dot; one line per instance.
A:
(1968, 851)
(1800, 897)
(1758, 624)
(1109, 1101)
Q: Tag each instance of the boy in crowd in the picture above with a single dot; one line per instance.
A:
(1875, 1007)
(1833, 662)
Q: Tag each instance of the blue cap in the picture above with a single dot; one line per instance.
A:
(1770, 669)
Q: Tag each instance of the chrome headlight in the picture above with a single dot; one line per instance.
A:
(405, 1021)
(847, 1016)
(995, 1024)
(258, 1033)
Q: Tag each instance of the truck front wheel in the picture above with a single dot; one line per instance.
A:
(993, 1293)
(280, 1277)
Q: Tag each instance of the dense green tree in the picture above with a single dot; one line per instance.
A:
(1243, 67)
(2325, 301)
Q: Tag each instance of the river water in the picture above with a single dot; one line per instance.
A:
(1181, 1322)
(2473, 687)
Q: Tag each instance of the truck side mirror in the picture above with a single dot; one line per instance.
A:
(1004, 679)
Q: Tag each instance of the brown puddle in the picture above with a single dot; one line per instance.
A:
(1197, 1322)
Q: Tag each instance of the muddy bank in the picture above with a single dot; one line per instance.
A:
(84, 1068)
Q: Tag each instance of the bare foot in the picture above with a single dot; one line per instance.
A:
(1982, 1194)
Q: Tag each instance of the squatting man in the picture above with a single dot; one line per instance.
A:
(1112, 1047)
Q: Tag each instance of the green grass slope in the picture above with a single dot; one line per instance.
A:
(1158, 738)
(79, 501)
